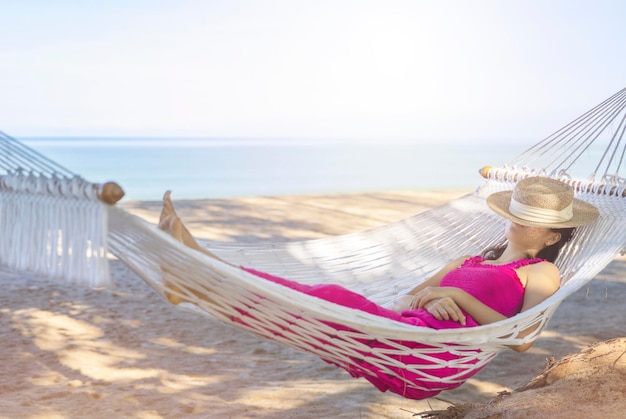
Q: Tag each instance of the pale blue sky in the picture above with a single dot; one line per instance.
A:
(350, 69)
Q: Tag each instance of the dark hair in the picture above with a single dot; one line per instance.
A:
(549, 253)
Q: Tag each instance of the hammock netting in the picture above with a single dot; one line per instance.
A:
(56, 224)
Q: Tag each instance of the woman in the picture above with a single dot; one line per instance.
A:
(542, 214)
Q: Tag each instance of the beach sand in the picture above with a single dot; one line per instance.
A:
(74, 352)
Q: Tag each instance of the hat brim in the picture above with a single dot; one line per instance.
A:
(584, 212)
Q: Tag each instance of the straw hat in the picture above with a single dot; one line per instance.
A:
(543, 202)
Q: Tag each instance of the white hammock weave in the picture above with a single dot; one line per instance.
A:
(379, 263)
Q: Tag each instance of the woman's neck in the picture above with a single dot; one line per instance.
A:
(512, 254)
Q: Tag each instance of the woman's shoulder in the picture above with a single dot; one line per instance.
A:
(543, 271)
(543, 265)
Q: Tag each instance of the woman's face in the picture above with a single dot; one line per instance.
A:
(531, 237)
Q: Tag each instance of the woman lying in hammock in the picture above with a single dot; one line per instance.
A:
(469, 291)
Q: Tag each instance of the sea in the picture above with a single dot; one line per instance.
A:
(203, 168)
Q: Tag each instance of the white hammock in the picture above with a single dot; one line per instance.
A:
(48, 215)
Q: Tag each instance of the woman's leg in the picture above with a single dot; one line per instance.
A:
(171, 223)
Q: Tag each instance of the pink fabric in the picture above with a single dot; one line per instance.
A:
(497, 286)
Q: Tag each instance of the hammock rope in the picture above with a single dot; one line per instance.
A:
(562, 153)
(16, 157)
(379, 263)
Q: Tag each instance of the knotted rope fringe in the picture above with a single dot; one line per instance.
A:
(54, 226)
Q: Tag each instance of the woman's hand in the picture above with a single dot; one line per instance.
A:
(439, 302)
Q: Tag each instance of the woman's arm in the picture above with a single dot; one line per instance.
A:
(542, 280)
(452, 311)
(435, 280)
(446, 303)
(442, 310)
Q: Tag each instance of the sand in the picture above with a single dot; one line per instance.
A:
(75, 352)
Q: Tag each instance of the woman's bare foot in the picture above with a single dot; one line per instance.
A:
(168, 217)
(171, 223)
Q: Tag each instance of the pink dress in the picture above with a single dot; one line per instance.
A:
(496, 286)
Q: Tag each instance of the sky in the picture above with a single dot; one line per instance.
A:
(331, 69)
